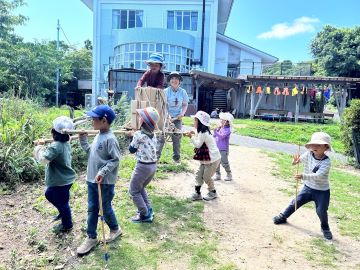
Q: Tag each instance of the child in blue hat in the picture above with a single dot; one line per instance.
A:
(153, 77)
(103, 166)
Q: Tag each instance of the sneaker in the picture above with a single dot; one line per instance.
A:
(59, 228)
(151, 212)
(56, 218)
(113, 235)
(177, 161)
(279, 219)
(196, 196)
(216, 177)
(142, 219)
(87, 246)
(228, 177)
(327, 234)
(210, 196)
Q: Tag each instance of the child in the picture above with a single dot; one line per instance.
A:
(316, 181)
(59, 175)
(143, 145)
(103, 165)
(154, 76)
(207, 153)
(222, 137)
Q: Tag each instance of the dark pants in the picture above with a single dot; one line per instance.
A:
(108, 193)
(59, 196)
(321, 199)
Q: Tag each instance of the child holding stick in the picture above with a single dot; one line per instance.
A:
(208, 155)
(143, 145)
(222, 137)
(316, 181)
(59, 175)
(103, 165)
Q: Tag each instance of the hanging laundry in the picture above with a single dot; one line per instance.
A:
(327, 93)
(302, 90)
(285, 92)
(312, 93)
(248, 89)
(277, 91)
(268, 90)
(294, 91)
(258, 90)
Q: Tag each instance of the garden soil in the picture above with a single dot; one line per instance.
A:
(241, 218)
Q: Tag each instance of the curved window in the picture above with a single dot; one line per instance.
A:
(133, 55)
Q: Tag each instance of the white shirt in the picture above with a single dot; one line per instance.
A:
(209, 140)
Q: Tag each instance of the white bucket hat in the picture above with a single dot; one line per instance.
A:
(203, 117)
(320, 138)
(63, 122)
(226, 116)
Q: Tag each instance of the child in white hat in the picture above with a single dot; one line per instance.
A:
(316, 181)
(208, 155)
(222, 136)
(143, 145)
(59, 175)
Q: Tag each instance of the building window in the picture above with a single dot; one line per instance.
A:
(133, 55)
(123, 18)
(182, 20)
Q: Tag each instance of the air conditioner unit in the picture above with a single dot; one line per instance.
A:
(88, 100)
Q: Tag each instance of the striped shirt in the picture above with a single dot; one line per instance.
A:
(316, 171)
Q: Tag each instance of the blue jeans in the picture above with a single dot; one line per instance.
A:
(59, 196)
(321, 199)
(108, 193)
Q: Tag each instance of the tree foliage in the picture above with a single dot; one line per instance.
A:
(337, 51)
(287, 67)
(28, 69)
(351, 121)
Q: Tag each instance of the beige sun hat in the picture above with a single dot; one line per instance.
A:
(203, 117)
(320, 138)
(226, 116)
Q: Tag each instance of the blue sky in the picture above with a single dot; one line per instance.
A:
(282, 28)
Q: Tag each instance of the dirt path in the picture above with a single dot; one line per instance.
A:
(242, 218)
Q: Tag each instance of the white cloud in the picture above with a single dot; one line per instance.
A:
(283, 30)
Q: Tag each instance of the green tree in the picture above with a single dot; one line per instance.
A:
(337, 51)
(286, 67)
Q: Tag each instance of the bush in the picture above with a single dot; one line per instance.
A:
(22, 122)
(351, 121)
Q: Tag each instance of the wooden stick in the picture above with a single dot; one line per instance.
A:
(46, 141)
(297, 180)
(106, 255)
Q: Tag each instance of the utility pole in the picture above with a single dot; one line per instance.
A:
(57, 68)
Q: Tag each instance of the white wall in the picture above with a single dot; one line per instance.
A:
(221, 58)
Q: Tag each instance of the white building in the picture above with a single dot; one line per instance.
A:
(189, 33)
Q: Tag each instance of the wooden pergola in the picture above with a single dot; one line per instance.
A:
(340, 86)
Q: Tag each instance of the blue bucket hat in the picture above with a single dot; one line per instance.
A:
(102, 111)
(155, 58)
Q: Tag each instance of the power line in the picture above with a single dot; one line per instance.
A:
(65, 36)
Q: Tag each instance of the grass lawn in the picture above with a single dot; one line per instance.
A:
(287, 132)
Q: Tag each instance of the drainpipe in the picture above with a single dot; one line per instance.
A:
(200, 62)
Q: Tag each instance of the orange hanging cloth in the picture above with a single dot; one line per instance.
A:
(258, 90)
(285, 92)
(294, 91)
(277, 91)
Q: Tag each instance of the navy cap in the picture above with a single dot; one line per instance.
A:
(102, 111)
